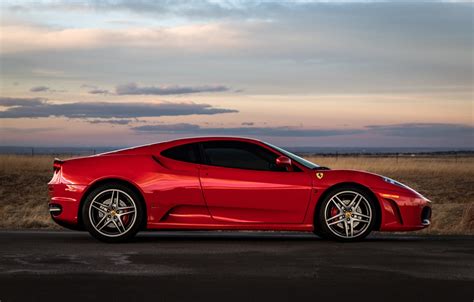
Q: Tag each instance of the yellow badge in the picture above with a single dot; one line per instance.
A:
(319, 175)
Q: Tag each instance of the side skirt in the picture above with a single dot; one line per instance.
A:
(242, 227)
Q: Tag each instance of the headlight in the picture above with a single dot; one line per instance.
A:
(394, 182)
(399, 184)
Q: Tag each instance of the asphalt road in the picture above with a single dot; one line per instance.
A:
(234, 266)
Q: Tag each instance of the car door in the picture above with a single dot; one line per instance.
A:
(176, 185)
(241, 184)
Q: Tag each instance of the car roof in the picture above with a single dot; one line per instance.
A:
(209, 138)
(188, 140)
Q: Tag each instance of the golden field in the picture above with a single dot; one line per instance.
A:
(447, 180)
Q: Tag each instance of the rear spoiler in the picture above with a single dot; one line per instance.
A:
(57, 163)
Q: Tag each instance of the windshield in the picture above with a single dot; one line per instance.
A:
(294, 157)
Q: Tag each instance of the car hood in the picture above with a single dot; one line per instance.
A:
(373, 181)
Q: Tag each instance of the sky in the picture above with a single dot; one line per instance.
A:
(303, 73)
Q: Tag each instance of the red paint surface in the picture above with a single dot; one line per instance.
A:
(181, 195)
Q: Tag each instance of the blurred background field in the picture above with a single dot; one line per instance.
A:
(448, 180)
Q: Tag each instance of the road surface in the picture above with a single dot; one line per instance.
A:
(234, 266)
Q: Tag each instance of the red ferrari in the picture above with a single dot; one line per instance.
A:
(222, 183)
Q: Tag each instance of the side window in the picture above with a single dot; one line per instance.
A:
(240, 155)
(187, 153)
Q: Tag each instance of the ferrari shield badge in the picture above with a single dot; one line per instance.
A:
(319, 175)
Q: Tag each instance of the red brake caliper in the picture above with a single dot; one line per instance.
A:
(334, 211)
(125, 219)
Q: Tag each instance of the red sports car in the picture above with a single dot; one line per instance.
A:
(222, 183)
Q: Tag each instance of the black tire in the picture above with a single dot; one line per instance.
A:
(110, 219)
(342, 202)
(317, 231)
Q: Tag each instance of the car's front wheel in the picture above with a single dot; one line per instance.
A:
(346, 214)
(112, 213)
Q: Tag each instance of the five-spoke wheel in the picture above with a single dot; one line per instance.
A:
(112, 213)
(346, 214)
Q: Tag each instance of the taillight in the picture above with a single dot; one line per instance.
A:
(57, 164)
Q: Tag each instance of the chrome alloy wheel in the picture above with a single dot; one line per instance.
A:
(348, 214)
(112, 212)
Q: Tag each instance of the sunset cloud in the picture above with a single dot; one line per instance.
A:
(112, 121)
(40, 89)
(424, 130)
(243, 131)
(34, 108)
(24, 38)
(21, 102)
(289, 70)
(419, 130)
(99, 91)
(134, 89)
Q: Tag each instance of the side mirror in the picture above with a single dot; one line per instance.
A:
(284, 162)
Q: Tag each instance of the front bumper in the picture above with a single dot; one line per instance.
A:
(403, 213)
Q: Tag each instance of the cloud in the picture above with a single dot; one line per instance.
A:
(112, 121)
(40, 89)
(169, 128)
(28, 102)
(182, 128)
(262, 30)
(93, 89)
(31, 108)
(134, 89)
(424, 130)
(89, 86)
(200, 10)
(23, 131)
(25, 38)
(300, 45)
(99, 91)
(48, 72)
(44, 89)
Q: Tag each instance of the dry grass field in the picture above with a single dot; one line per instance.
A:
(447, 181)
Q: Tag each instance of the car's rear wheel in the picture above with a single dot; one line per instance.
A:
(346, 214)
(112, 213)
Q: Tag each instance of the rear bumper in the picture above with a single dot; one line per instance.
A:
(404, 213)
(64, 204)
